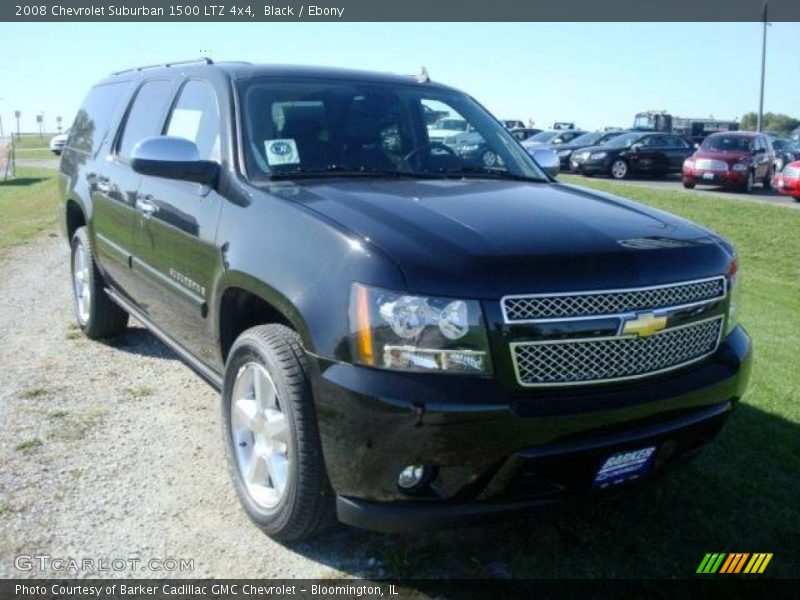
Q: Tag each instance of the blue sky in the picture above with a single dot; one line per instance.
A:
(595, 74)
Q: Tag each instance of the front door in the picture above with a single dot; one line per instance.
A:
(175, 237)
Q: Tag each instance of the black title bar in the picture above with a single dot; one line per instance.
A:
(397, 10)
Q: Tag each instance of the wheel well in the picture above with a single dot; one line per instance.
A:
(75, 219)
(240, 310)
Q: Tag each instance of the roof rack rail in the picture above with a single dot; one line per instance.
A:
(204, 60)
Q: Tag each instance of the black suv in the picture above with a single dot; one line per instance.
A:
(402, 337)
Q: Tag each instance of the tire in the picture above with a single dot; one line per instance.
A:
(618, 169)
(796, 198)
(489, 159)
(95, 312)
(284, 488)
(767, 181)
(747, 186)
(689, 185)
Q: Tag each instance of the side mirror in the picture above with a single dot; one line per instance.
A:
(548, 160)
(172, 158)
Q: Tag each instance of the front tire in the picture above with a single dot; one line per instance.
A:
(97, 315)
(747, 186)
(271, 436)
(688, 184)
(619, 169)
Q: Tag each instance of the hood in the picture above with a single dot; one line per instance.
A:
(485, 238)
(723, 156)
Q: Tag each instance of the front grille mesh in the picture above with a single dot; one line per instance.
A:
(523, 308)
(708, 164)
(592, 360)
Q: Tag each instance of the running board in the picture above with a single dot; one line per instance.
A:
(198, 367)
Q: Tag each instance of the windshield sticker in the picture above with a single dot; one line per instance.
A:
(282, 152)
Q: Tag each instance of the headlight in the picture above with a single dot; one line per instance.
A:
(597, 155)
(734, 295)
(398, 331)
(564, 152)
(688, 163)
(740, 167)
(468, 148)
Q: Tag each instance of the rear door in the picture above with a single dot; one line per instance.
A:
(176, 228)
(677, 150)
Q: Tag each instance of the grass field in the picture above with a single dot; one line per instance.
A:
(33, 146)
(741, 495)
(27, 206)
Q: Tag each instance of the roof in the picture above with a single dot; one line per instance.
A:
(245, 70)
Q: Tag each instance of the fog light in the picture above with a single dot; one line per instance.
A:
(411, 476)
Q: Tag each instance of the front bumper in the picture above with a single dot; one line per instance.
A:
(788, 186)
(597, 166)
(498, 451)
(727, 178)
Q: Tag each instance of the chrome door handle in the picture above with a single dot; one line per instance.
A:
(145, 205)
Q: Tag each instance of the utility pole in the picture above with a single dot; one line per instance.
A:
(1, 121)
(17, 115)
(763, 67)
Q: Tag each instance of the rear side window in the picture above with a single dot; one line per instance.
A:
(146, 116)
(195, 117)
(95, 115)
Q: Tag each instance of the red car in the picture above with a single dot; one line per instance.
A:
(732, 159)
(788, 181)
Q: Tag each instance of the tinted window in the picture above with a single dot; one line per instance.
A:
(726, 143)
(145, 118)
(195, 117)
(626, 140)
(673, 141)
(92, 120)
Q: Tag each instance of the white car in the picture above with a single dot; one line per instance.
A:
(446, 128)
(58, 142)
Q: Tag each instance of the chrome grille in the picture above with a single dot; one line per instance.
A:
(587, 304)
(593, 360)
(707, 164)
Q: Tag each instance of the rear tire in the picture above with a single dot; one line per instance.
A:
(96, 313)
(767, 181)
(271, 436)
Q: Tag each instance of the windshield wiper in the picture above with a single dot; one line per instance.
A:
(346, 171)
(484, 173)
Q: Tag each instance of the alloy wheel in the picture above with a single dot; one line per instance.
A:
(619, 169)
(81, 283)
(260, 433)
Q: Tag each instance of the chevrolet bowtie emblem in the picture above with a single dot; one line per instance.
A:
(644, 325)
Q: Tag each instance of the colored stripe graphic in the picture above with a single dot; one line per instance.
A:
(734, 562)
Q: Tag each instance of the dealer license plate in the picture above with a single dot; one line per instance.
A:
(624, 466)
(708, 176)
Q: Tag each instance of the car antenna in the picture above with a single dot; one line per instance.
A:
(423, 76)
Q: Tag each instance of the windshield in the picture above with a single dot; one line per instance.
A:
(543, 136)
(726, 143)
(308, 128)
(626, 140)
(588, 139)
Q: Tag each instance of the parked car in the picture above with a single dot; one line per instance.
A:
(731, 159)
(553, 137)
(591, 138)
(445, 128)
(401, 338)
(787, 182)
(522, 134)
(786, 151)
(513, 124)
(634, 153)
(57, 142)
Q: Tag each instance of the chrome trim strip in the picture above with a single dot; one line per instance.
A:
(611, 291)
(513, 345)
